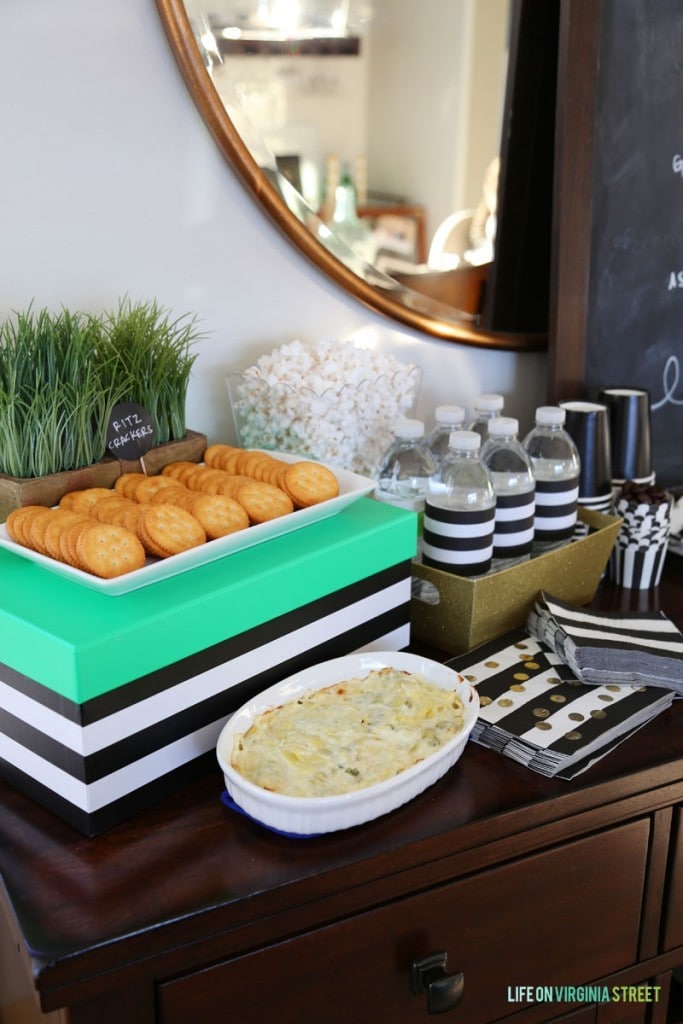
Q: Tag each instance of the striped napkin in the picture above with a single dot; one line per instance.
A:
(604, 647)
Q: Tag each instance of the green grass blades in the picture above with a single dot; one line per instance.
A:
(62, 373)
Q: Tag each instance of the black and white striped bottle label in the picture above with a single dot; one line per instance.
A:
(594, 503)
(556, 502)
(458, 541)
(514, 530)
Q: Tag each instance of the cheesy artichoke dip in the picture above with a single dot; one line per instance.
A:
(347, 736)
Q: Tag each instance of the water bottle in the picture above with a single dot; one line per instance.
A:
(513, 481)
(447, 418)
(403, 472)
(348, 226)
(486, 408)
(460, 510)
(556, 463)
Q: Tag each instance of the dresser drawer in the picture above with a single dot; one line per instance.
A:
(673, 931)
(561, 917)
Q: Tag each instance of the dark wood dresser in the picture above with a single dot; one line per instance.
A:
(502, 894)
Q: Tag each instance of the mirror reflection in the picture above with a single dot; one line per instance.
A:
(379, 123)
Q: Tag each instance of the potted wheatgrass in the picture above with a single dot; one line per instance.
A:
(62, 373)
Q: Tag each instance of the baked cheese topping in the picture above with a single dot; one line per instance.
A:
(347, 736)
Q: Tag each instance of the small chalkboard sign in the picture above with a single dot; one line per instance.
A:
(130, 431)
(635, 324)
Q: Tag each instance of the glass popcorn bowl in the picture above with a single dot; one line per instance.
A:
(348, 426)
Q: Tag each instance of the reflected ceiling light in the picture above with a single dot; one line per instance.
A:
(340, 18)
(285, 16)
(208, 45)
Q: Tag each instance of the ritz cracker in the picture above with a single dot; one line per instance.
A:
(110, 532)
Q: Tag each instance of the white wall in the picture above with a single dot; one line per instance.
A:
(309, 106)
(417, 99)
(110, 185)
(437, 78)
(489, 30)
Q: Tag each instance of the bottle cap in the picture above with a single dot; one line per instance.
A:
(409, 429)
(449, 414)
(550, 416)
(489, 403)
(503, 426)
(464, 440)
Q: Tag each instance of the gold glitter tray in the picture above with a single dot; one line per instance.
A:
(455, 613)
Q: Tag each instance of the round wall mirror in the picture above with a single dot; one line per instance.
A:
(305, 100)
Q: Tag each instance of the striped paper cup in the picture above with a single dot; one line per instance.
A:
(640, 549)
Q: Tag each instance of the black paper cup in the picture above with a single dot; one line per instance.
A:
(629, 423)
(588, 425)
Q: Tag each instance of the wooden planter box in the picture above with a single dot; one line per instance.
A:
(16, 492)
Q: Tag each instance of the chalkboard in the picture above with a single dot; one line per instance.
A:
(130, 431)
(635, 317)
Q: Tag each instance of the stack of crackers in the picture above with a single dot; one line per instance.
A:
(109, 532)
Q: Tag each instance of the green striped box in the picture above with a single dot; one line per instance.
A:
(108, 702)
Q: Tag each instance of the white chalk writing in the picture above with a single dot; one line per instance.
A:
(677, 164)
(670, 382)
(132, 419)
(130, 435)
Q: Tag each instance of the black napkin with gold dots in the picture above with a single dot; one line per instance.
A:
(534, 709)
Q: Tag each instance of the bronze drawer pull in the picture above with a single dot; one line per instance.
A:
(444, 990)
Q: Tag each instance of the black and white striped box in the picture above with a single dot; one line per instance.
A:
(108, 703)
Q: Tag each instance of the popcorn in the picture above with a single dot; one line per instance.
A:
(331, 401)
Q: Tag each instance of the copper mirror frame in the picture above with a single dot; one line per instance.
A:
(388, 297)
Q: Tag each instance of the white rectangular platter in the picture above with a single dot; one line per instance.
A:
(351, 488)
